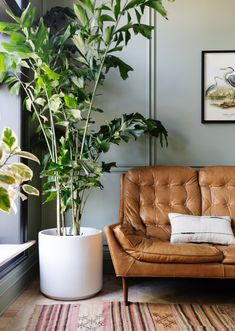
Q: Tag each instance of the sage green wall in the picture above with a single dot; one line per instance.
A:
(193, 26)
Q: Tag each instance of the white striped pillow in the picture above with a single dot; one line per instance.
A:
(201, 229)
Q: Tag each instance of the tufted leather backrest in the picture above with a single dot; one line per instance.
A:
(218, 191)
(150, 193)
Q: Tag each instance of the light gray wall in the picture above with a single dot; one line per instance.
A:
(193, 26)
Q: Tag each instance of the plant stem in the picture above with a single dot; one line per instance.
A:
(76, 229)
(97, 81)
(58, 225)
(95, 88)
(71, 190)
(63, 225)
(7, 158)
(38, 116)
(92, 101)
(79, 212)
(55, 152)
(52, 127)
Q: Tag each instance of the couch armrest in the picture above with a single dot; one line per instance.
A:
(121, 260)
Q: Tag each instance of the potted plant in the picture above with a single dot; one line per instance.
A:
(14, 175)
(64, 68)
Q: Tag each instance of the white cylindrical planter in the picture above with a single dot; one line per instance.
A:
(71, 267)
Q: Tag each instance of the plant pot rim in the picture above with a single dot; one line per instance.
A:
(52, 233)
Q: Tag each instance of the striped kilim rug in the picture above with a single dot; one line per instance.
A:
(114, 316)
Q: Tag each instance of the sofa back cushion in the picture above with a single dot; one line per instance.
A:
(218, 191)
(151, 193)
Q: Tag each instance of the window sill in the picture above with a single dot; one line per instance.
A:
(8, 252)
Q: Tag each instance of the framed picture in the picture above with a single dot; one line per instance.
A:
(218, 87)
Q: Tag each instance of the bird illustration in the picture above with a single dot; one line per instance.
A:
(229, 76)
(213, 87)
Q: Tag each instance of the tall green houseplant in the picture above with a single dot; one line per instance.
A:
(60, 71)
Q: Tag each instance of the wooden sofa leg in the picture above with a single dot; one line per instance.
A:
(125, 290)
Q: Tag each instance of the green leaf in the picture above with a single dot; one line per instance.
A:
(125, 27)
(41, 35)
(6, 27)
(63, 123)
(51, 196)
(127, 37)
(81, 14)
(50, 73)
(142, 8)
(28, 16)
(5, 203)
(104, 146)
(70, 101)
(22, 49)
(106, 167)
(2, 61)
(7, 63)
(17, 38)
(117, 8)
(15, 18)
(30, 189)
(28, 104)
(108, 34)
(27, 155)
(116, 49)
(143, 29)
(22, 196)
(125, 138)
(104, 7)
(115, 62)
(21, 172)
(76, 113)
(7, 179)
(9, 138)
(133, 3)
(89, 5)
(157, 5)
(15, 88)
(2, 76)
(78, 81)
(80, 44)
(24, 64)
(106, 18)
(55, 102)
(40, 101)
(138, 16)
(119, 38)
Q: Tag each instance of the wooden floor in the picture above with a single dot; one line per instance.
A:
(142, 290)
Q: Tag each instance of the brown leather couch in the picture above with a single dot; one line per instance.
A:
(140, 243)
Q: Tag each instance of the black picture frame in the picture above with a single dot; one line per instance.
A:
(217, 90)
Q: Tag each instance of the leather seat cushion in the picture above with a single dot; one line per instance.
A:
(229, 253)
(142, 248)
